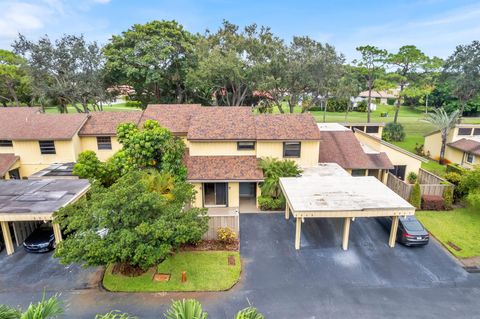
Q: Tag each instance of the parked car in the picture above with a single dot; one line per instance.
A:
(41, 240)
(410, 231)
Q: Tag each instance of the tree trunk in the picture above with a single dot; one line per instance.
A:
(369, 99)
(399, 99)
(157, 93)
(280, 107)
(12, 92)
(462, 108)
(442, 149)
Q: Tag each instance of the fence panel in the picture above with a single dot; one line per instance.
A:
(425, 177)
(398, 186)
(217, 221)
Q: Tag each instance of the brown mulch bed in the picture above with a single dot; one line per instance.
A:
(127, 270)
(206, 245)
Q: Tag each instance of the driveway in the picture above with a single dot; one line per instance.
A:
(370, 280)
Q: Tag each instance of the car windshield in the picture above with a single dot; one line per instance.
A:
(412, 225)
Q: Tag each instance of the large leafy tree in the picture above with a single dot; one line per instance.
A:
(154, 59)
(65, 72)
(232, 63)
(408, 61)
(14, 80)
(462, 71)
(371, 66)
(444, 122)
(134, 223)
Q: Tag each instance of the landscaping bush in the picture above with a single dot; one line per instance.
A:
(415, 196)
(393, 132)
(337, 105)
(362, 106)
(473, 199)
(249, 313)
(187, 309)
(270, 203)
(315, 109)
(412, 177)
(135, 104)
(454, 168)
(455, 179)
(391, 101)
(433, 202)
(420, 150)
(226, 235)
(448, 198)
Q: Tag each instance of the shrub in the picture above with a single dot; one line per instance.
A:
(419, 149)
(249, 313)
(448, 197)
(412, 177)
(362, 106)
(455, 168)
(265, 107)
(115, 314)
(433, 202)
(186, 309)
(226, 235)
(273, 169)
(270, 203)
(473, 199)
(337, 105)
(315, 109)
(455, 179)
(135, 104)
(415, 196)
(391, 101)
(393, 132)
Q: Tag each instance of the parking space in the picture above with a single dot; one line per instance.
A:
(266, 243)
(24, 272)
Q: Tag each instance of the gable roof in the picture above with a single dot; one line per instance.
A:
(105, 123)
(175, 117)
(343, 148)
(22, 123)
(222, 123)
(6, 161)
(286, 127)
(223, 168)
(467, 145)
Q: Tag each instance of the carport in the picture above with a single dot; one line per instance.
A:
(25, 203)
(328, 191)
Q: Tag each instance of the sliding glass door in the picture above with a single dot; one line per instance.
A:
(215, 194)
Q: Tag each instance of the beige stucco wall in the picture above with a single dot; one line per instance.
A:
(396, 157)
(432, 145)
(90, 143)
(308, 152)
(226, 148)
(198, 201)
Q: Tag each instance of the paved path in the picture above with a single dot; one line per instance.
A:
(319, 281)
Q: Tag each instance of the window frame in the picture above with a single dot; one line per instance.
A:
(465, 128)
(285, 144)
(355, 172)
(44, 148)
(476, 131)
(6, 143)
(243, 148)
(104, 145)
(467, 155)
(369, 127)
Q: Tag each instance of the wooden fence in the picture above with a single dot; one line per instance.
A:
(430, 184)
(216, 221)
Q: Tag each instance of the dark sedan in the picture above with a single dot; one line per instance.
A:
(41, 240)
(410, 231)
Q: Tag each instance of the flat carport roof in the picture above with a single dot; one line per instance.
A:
(328, 191)
(36, 200)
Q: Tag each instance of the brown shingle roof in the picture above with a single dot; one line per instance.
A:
(222, 123)
(343, 148)
(223, 168)
(24, 124)
(105, 123)
(286, 127)
(6, 161)
(175, 117)
(467, 145)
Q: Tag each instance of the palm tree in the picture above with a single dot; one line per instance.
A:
(444, 122)
(46, 308)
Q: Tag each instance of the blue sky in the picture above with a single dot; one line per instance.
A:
(435, 26)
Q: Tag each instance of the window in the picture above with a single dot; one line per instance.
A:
(476, 131)
(14, 174)
(291, 149)
(465, 131)
(358, 172)
(6, 143)
(399, 171)
(360, 128)
(469, 158)
(104, 142)
(215, 194)
(372, 129)
(242, 146)
(47, 147)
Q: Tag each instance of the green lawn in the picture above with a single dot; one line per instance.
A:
(460, 227)
(206, 271)
(107, 108)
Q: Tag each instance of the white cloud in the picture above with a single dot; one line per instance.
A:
(101, 1)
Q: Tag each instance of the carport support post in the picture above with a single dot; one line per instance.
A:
(346, 232)
(7, 238)
(298, 231)
(393, 232)
(57, 232)
(287, 211)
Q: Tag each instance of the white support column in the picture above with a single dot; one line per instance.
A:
(346, 232)
(287, 211)
(393, 232)
(298, 232)
(57, 232)
(7, 238)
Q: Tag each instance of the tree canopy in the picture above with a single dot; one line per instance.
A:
(14, 80)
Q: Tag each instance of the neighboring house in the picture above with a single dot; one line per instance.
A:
(380, 96)
(338, 144)
(375, 129)
(403, 161)
(463, 145)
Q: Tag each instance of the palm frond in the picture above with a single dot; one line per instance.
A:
(46, 308)
(186, 309)
(249, 313)
(7, 312)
